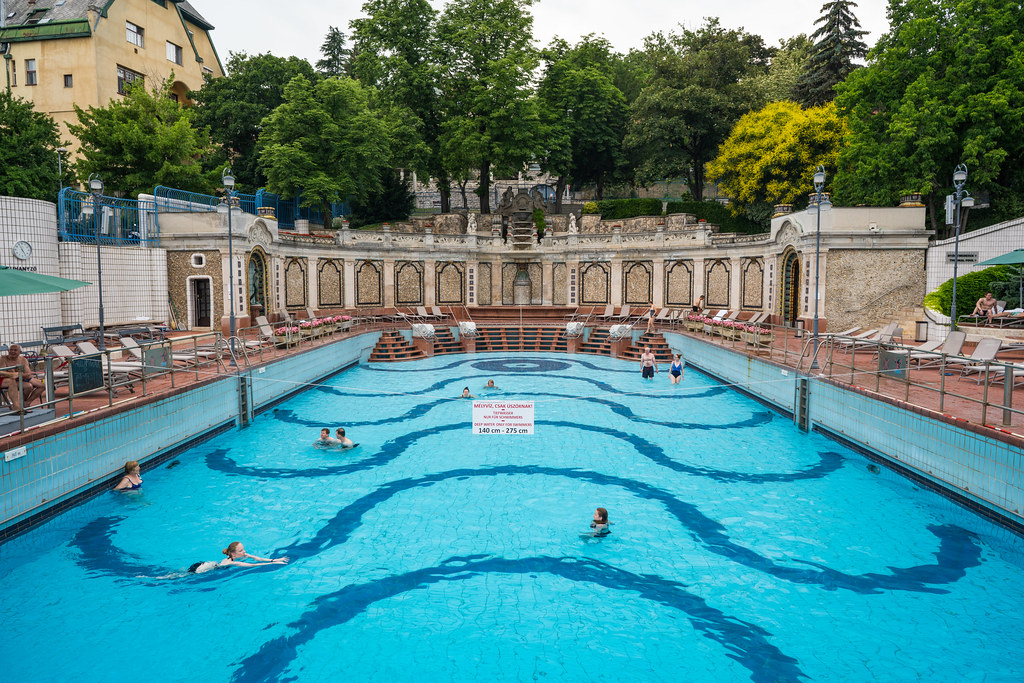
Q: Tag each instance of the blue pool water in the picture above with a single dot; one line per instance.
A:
(741, 548)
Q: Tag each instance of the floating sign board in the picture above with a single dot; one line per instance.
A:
(503, 417)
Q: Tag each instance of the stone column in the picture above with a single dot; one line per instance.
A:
(547, 282)
(348, 272)
(658, 282)
(430, 283)
(698, 279)
(735, 283)
(615, 295)
(496, 277)
(389, 283)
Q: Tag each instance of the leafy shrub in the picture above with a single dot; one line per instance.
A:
(614, 209)
(539, 222)
(969, 288)
(590, 207)
(713, 212)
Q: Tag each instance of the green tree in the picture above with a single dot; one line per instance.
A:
(940, 88)
(143, 140)
(838, 43)
(583, 114)
(770, 156)
(699, 87)
(337, 61)
(787, 66)
(28, 150)
(233, 107)
(324, 144)
(395, 53)
(392, 201)
(487, 58)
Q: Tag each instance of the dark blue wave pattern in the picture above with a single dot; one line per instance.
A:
(746, 643)
(391, 367)
(828, 461)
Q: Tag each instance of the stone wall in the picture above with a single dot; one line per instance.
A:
(330, 283)
(868, 286)
(180, 268)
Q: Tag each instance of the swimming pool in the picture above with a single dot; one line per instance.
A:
(741, 548)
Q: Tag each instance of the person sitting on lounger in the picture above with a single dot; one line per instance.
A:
(986, 306)
(32, 386)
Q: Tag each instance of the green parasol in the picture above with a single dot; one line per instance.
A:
(14, 282)
(1013, 258)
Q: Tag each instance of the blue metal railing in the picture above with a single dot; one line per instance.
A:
(287, 211)
(119, 222)
(170, 199)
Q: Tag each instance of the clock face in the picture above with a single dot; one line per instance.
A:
(22, 250)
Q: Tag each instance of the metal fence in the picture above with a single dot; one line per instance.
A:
(110, 221)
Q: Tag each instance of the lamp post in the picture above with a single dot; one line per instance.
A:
(96, 187)
(962, 198)
(819, 184)
(61, 151)
(228, 181)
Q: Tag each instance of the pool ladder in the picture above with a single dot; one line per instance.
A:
(229, 346)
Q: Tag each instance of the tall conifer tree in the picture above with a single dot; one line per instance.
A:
(838, 43)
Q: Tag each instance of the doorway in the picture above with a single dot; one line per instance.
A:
(790, 288)
(200, 302)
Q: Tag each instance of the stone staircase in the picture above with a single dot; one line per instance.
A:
(520, 339)
(659, 348)
(445, 342)
(599, 343)
(392, 347)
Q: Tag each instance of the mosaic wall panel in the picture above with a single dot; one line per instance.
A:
(637, 280)
(257, 283)
(408, 283)
(508, 276)
(595, 283)
(450, 283)
(716, 284)
(483, 284)
(679, 283)
(560, 280)
(295, 283)
(369, 283)
(753, 284)
(536, 283)
(330, 283)
(179, 268)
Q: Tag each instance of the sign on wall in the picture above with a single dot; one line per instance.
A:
(503, 417)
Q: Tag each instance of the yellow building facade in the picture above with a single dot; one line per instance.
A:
(58, 54)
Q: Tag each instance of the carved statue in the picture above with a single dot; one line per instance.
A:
(471, 224)
(572, 223)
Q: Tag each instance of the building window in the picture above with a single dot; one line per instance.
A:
(173, 52)
(126, 77)
(14, 72)
(134, 34)
(68, 81)
(30, 72)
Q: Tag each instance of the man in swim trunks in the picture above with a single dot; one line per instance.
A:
(10, 365)
(342, 439)
(648, 363)
(986, 306)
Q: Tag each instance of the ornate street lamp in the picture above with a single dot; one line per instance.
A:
(962, 198)
(819, 185)
(96, 187)
(228, 181)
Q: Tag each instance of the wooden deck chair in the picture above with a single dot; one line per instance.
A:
(609, 312)
(438, 313)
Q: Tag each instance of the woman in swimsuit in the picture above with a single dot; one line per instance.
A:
(675, 371)
(600, 523)
(235, 551)
(650, 317)
(132, 480)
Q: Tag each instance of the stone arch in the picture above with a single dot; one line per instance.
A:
(257, 282)
(789, 286)
(752, 286)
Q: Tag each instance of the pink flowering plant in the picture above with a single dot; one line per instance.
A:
(285, 330)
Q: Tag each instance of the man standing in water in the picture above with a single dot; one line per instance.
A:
(648, 363)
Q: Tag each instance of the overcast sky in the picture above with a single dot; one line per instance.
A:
(298, 27)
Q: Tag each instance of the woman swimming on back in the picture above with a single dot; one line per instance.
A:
(234, 552)
(132, 480)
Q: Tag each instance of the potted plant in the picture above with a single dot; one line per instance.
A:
(285, 334)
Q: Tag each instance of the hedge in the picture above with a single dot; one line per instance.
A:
(969, 288)
(615, 209)
(713, 212)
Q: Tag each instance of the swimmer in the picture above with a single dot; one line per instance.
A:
(675, 371)
(490, 385)
(466, 394)
(235, 551)
(132, 480)
(325, 439)
(648, 363)
(600, 523)
(342, 439)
